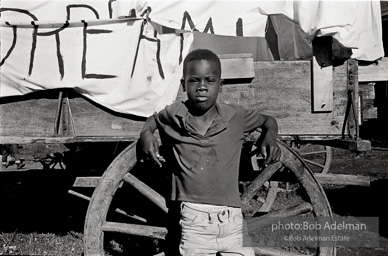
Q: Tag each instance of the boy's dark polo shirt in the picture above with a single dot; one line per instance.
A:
(205, 168)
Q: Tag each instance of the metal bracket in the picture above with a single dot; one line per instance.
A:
(64, 124)
(352, 109)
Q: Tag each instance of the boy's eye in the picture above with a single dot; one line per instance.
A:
(192, 80)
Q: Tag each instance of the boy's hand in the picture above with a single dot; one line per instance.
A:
(269, 148)
(149, 145)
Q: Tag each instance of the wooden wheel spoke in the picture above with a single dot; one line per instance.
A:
(271, 196)
(267, 219)
(277, 252)
(304, 147)
(259, 181)
(148, 192)
(314, 163)
(133, 229)
(130, 215)
(313, 153)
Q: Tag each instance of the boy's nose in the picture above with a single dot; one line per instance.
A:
(201, 86)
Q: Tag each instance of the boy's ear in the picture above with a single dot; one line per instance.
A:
(183, 85)
(221, 84)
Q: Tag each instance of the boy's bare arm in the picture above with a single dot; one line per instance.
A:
(267, 141)
(148, 142)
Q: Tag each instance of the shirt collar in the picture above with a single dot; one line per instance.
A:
(225, 115)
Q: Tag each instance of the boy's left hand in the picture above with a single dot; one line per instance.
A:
(269, 148)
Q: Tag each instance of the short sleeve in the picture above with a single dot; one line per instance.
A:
(166, 117)
(252, 120)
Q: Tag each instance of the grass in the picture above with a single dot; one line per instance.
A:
(41, 243)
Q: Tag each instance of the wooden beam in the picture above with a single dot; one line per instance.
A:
(237, 66)
(55, 140)
(88, 182)
(374, 72)
(342, 179)
(148, 192)
(276, 252)
(132, 229)
(357, 145)
(322, 75)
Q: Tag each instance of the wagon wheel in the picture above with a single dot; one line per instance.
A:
(97, 223)
(318, 157)
(270, 188)
(315, 205)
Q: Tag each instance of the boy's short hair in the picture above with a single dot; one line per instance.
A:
(201, 54)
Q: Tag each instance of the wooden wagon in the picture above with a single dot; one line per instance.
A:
(316, 103)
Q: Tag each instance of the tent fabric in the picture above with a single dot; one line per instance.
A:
(110, 52)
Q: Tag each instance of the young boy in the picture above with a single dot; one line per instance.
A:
(202, 142)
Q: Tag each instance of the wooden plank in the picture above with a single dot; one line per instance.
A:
(90, 119)
(60, 140)
(322, 75)
(282, 89)
(354, 117)
(374, 72)
(322, 87)
(237, 66)
(342, 179)
(367, 101)
(133, 229)
(357, 145)
(86, 182)
(34, 116)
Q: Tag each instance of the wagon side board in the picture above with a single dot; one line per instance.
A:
(282, 89)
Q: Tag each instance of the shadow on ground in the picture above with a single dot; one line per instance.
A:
(37, 201)
(362, 202)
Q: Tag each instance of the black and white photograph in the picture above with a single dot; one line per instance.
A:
(194, 128)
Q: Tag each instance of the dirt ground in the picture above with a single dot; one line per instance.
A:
(362, 201)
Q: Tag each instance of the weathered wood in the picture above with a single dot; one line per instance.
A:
(353, 108)
(310, 137)
(367, 101)
(282, 89)
(322, 87)
(63, 140)
(259, 181)
(271, 196)
(357, 145)
(342, 179)
(255, 223)
(237, 66)
(138, 230)
(34, 116)
(132, 216)
(101, 200)
(79, 195)
(146, 191)
(322, 75)
(276, 252)
(374, 72)
(88, 182)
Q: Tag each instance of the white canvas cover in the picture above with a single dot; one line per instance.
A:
(125, 65)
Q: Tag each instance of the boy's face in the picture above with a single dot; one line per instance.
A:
(202, 84)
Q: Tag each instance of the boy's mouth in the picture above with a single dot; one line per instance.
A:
(201, 98)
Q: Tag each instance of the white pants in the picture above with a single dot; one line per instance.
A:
(211, 229)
